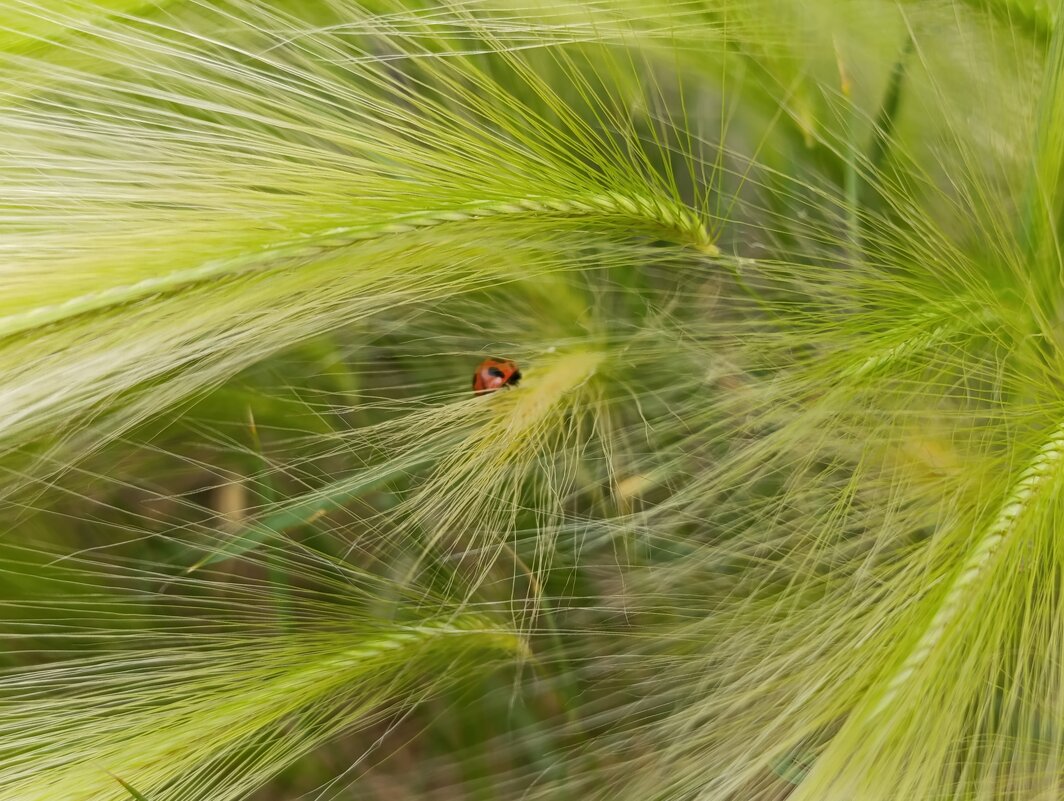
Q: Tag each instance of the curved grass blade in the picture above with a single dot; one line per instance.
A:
(134, 793)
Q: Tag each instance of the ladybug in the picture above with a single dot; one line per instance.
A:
(493, 374)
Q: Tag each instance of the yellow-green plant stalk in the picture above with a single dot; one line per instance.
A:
(1039, 472)
(472, 499)
(214, 723)
(295, 197)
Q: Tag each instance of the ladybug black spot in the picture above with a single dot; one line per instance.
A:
(493, 374)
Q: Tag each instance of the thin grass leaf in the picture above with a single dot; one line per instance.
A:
(1041, 205)
(883, 128)
(304, 510)
(137, 796)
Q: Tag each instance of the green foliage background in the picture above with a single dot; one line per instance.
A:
(774, 512)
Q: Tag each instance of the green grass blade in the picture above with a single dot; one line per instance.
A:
(137, 796)
(305, 510)
(1043, 199)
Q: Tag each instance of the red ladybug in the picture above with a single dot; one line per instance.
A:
(493, 374)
